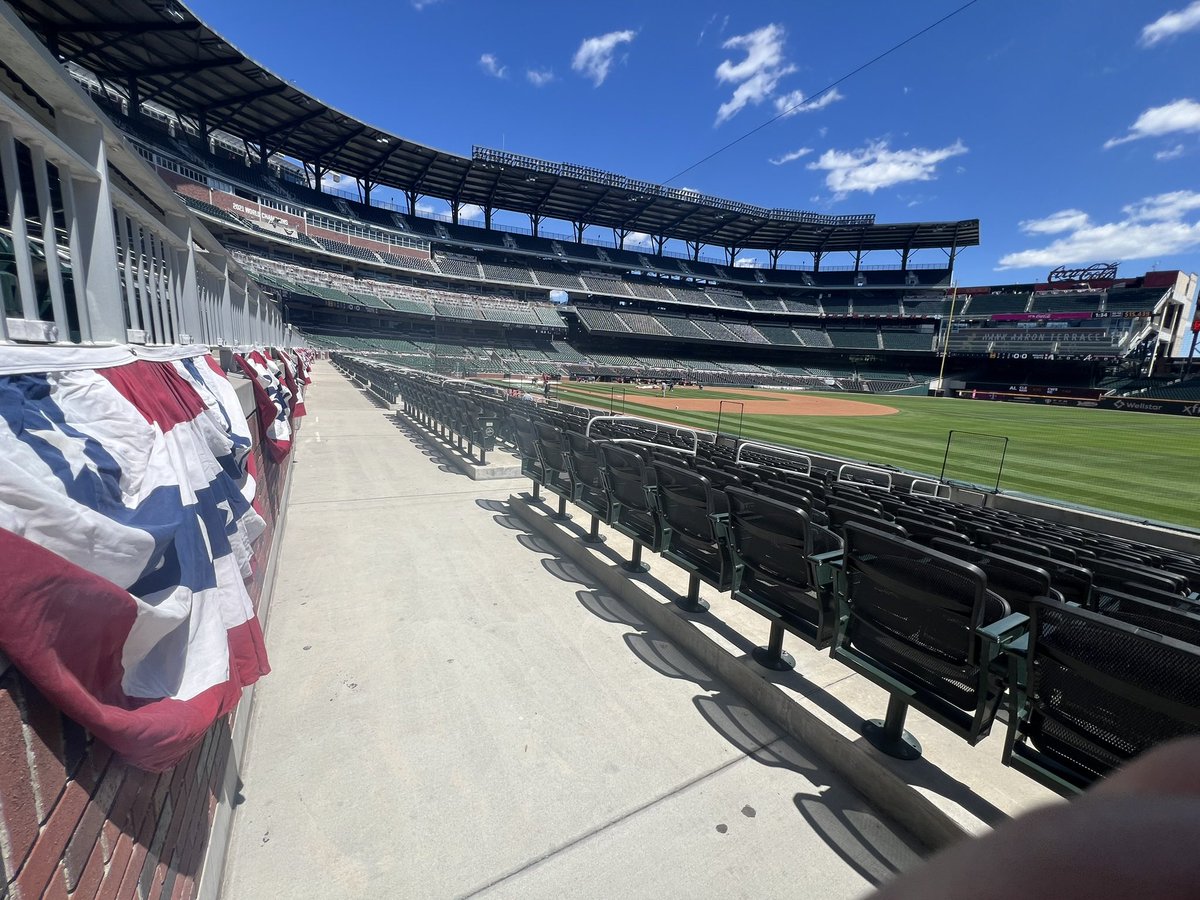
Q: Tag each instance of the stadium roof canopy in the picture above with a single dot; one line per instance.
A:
(159, 51)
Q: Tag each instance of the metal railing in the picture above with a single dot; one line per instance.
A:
(97, 249)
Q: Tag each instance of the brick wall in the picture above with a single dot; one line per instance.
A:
(75, 822)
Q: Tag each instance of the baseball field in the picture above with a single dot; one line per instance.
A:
(1139, 464)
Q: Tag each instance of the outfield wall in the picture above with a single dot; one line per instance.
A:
(1123, 404)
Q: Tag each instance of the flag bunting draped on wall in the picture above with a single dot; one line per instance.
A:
(126, 524)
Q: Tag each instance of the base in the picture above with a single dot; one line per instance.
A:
(780, 662)
(905, 747)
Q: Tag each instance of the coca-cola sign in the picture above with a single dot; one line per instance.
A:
(1096, 272)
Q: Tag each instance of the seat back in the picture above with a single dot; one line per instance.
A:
(1099, 692)
(1118, 575)
(583, 465)
(1017, 582)
(550, 445)
(772, 543)
(630, 487)
(840, 515)
(1175, 622)
(527, 447)
(685, 498)
(915, 611)
(688, 503)
(1073, 582)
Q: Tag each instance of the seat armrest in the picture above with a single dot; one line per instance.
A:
(1005, 630)
(828, 558)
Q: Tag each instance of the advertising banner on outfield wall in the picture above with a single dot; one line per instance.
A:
(1124, 404)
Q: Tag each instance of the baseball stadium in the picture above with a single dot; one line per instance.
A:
(617, 539)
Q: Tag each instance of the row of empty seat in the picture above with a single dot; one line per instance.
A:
(1091, 643)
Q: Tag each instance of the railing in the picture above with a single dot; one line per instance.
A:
(122, 260)
(658, 426)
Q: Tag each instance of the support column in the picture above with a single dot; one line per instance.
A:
(41, 183)
(188, 296)
(66, 186)
(93, 231)
(775, 254)
(15, 198)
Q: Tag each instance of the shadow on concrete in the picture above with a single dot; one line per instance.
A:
(918, 772)
(603, 605)
(428, 444)
(655, 651)
(854, 834)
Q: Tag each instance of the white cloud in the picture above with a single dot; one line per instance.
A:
(745, 262)
(790, 157)
(419, 5)
(638, 238)
(424, 209)
(539, 77)
(757, 75)
(1153, 227)
(1172, 205)
(470, 211)
(1055, 223)
(1172, 24)
(875, 166)
(793, 102)
(1174, 153)
(1173, 118)
(492, 66)
(594, 57)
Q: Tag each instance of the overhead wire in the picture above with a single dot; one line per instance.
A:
(825, 90)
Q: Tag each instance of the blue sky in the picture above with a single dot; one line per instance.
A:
(1071, 129)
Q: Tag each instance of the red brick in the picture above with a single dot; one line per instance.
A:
(94, 765)
(127, 796)
(133, 871)
(183, 888)
(47, 852)
(87, 833)
(57, 889)
(44, 740)
(93, 874)
(18, 808)
(122, 854)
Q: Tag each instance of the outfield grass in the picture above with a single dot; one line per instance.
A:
(1134, 463)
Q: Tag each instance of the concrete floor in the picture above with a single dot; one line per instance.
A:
(455, 711)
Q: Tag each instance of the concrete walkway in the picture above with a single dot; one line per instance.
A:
(455, 711)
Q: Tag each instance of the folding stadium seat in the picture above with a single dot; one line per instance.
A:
(527, 448)
(631, 488)
(1122, 575)
(1072, 582)
(1018, 583)
(557, 479)
(922, 531)
(781, 570)
(1092, 692)
(587, 487)
(924, 626)
(719, 477)
(841, 514)
(695, 513)
(1180, 623)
